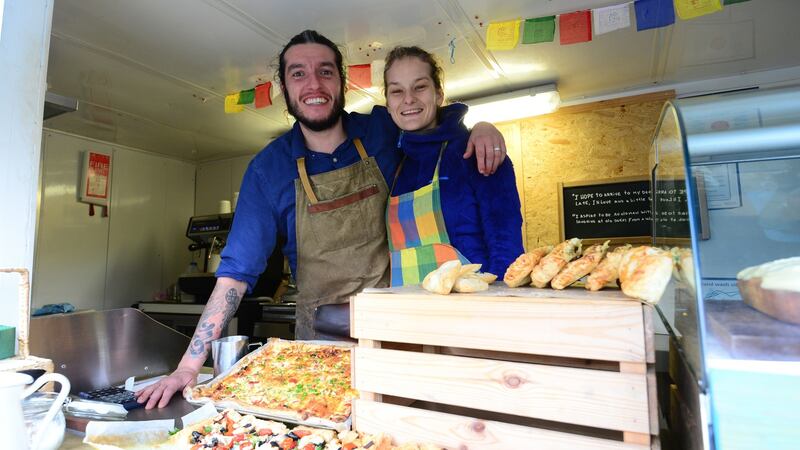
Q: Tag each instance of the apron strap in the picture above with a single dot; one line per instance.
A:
(360, 148)
(301, 169)
(438, 161)
(435, 171)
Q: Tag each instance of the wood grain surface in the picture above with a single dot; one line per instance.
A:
(601, 399)
(458, 432)
(573, 323)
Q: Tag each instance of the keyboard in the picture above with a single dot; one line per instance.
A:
(113, 395)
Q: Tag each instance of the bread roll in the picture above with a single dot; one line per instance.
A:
(441, 280)
(554, 261)
(518, 273)
(644, 273)
(469, 268)
(773, 288)
(578, 268)
(489, 278)
(607, 271)
(470, 283)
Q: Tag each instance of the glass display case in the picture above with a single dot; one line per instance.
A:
(726, 196)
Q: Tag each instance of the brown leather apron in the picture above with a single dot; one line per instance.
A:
(341, 235)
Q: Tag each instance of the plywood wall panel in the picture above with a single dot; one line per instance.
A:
(594, 141)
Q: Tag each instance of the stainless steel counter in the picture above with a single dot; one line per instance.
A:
(97, 349)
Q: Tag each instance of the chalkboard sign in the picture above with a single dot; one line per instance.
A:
(620, 209)
(670, 209)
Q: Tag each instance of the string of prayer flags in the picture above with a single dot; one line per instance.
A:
(575, 27)
(611, 18)
(263, 95)
(360, 76)
(653, 14)
(232, 105)
(540, 29)
(246, 97)
(689, 9)
(503, 35)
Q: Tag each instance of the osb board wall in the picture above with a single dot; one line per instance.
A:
(593, 141)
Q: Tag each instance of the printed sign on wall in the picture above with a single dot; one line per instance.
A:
(96, 180)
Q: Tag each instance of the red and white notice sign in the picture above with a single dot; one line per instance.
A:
(96, 178)
(97, 175)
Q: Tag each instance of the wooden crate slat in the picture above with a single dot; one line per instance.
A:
(601, 399)
(610, 330)
(406, 424)
(649, 334)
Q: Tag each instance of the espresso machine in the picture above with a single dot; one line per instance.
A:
(208, 234)
(264, 312)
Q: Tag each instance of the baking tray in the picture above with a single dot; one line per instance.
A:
(224, 404)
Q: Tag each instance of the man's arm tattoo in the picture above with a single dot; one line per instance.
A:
(211, 319)
(231, 305)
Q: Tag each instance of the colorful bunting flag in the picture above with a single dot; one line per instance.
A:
(360, 76)
(232, 104)
(246, 97)
(689, 9)
(653, 14)
(540, 29)
(611, 18)
(263, 95)
(502, 35)
(575, 27)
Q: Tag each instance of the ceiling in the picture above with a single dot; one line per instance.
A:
(153, 74)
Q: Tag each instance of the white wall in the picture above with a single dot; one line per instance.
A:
(24, 46)
(218, 180)
(110, 262)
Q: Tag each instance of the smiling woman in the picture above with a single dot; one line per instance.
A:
(441, 207)
(412, 96)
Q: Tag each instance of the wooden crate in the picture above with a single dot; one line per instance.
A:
(524, 368)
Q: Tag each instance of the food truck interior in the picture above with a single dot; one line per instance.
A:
(154, 99)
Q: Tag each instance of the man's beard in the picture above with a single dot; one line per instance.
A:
(321, 124)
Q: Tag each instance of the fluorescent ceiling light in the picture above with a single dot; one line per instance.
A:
(513, 105)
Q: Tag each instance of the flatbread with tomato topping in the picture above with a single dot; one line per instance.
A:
(287, 380)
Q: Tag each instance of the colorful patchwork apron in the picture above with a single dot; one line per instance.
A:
(418, 240)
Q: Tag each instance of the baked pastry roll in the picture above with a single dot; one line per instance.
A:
(469, 268)
(773, 288)
(554, 261)
(518, 273)
(489, 278)
(470, 282)
(683, 265)
(578, 268)
(441, 280)
(644, 273)
(607, 271)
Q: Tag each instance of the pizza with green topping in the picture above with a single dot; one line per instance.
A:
(291, 379)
